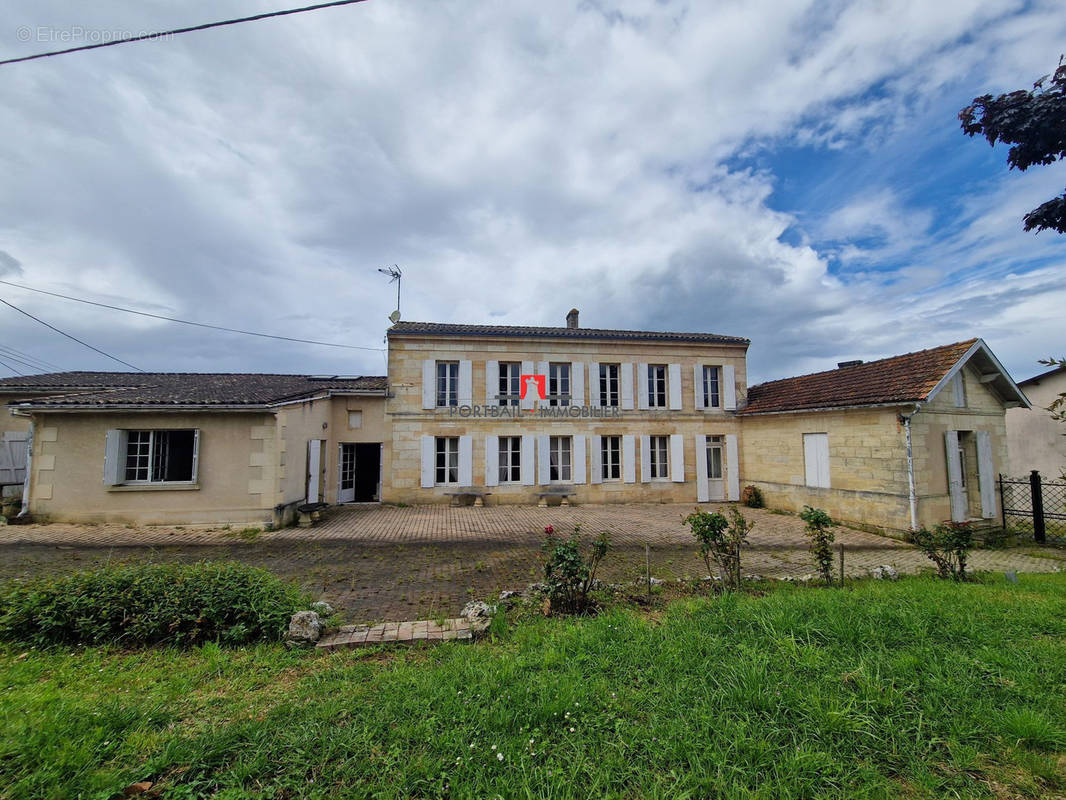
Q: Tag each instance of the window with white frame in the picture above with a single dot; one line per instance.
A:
(559, 384)
(714, 457)
(656, 385)
(447, 383)
(611, 457)
(510, 459)
(659, 456)
(608, 384)
(160, 456)
(447, 471)
(712, 387)
(559, 458)
(510, 382)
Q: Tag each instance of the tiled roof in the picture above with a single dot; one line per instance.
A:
(900, 379)
(527, 331)
(105, 389)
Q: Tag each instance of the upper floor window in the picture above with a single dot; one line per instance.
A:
(659, 456)
(712, 387)
(447, 383)
(510, 459)
(657, 385)
(559, 384)
(447, 471)
(559, 458)
(611, 457)
(510, 378)
(159, 456)
(608, 384)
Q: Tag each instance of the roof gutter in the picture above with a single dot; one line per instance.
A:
(823, 409)
(24, 409)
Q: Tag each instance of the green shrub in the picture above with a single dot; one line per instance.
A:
(752, 497)
(182, 604)
(948, 546)
(819, 531)
(567, 575)
(720, 541)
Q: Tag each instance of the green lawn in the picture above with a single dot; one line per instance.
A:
(916, 689)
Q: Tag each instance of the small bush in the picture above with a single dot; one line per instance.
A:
(720, 540)
(182, 604)
(819, 531)
(752, 497)
(567, 575)
(948, 546)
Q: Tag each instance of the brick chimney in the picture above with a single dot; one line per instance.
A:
(845, 364)
(571, 318)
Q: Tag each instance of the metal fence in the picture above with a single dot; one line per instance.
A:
(1034, 507)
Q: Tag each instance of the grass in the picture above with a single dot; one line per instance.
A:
(914, 689)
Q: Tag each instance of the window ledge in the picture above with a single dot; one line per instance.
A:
(154, 487)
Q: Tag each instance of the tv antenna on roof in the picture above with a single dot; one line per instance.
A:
(394, 273)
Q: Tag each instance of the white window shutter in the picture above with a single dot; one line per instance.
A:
(645, 459)
(629, 459)
(429, 462)
(674, 386)
(114, 457)
(703, 486)
(732, 458)
(527, 401)
(642, 385)
(527, 461)
(492, 382)
(314, 470)
(677, 458)
(958, 388)
(955, 490)
(577, 463)
(543, 460)
(986, 475)
(466, 383)
(577, 383)
(596, 446)
(697, 388)
(492, 460)
(594, 383)
(466, 461)
(195, 454)
(542, 369)
(429, 383)
(729, 387)
(625, 387)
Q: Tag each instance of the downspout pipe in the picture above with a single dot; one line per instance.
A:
(29, 473)
(905, 420)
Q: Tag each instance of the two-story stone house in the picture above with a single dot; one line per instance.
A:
(619, 416)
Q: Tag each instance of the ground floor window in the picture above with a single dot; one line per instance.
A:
(447, 460)
(611, 457)
(659, 456)
(510, 459)
(559, 458)
(714, 457)
(160, 456)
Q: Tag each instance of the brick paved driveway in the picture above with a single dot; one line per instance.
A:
(390, 563)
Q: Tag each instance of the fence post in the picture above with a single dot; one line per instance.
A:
(1039, 532)
(1002, 504)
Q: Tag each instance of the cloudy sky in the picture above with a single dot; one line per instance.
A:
(792, 172)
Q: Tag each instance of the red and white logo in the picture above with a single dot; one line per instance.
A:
(535, 383)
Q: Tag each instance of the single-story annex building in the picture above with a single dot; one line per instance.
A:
(508, 413)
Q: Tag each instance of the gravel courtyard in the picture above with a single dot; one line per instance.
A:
(393, 563)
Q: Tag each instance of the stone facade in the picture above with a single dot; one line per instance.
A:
(408, 422)
(1037, 440)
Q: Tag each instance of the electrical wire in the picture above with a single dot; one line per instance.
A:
(23, 362)
(160, 34)
(188, 322)
(5, 364)
(29, 357)
(73, 338)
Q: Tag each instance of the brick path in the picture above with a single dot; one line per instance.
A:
(423, 562)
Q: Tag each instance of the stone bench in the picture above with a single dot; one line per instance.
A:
(564, 493)
(308, 514)
(476, 495)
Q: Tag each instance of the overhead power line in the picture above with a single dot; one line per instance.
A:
(189, 322)
(37, 366)
(190, 29)
(73, 338)
(5, 364)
